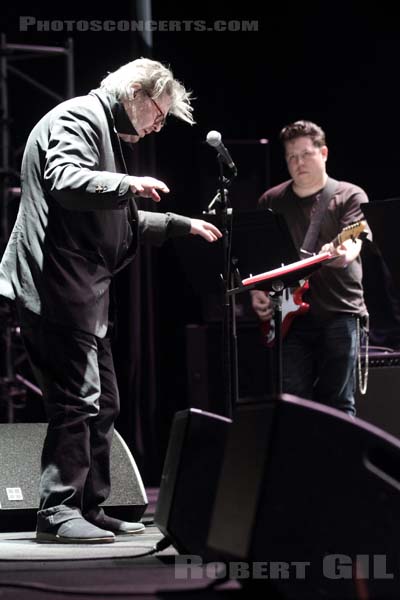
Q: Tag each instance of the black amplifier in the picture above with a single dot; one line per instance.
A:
(381, 403)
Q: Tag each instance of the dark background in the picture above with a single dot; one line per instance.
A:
(337, 65)
(333, 63)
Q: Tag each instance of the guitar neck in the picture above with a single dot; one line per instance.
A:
(339, 239)
(351, 232)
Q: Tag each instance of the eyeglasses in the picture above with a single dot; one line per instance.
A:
(303, 156)
(159, 121)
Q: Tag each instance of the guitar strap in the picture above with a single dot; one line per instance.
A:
(320, 206)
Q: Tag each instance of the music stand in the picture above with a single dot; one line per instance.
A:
(255, 235)
(277, 280)
(261, 243)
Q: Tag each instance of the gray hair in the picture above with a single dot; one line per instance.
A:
(156, 79)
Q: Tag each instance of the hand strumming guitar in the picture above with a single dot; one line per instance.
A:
(262, 305)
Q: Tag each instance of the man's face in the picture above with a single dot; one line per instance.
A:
(306, 163)
(146, 115)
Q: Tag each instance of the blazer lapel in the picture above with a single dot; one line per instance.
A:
(111, 107)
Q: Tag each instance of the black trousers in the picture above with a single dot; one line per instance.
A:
(75, 371)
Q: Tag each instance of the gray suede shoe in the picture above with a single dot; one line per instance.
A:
(117, 526)
(75, 531)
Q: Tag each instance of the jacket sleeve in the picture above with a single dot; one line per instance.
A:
(155, 227)
(72, 161)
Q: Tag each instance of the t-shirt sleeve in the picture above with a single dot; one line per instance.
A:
(352, 211)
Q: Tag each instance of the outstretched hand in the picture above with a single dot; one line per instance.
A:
(147, 187)
(207, 230)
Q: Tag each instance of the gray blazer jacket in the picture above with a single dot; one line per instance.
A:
(78, 223)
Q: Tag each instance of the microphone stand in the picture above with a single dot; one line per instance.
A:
(229, 337)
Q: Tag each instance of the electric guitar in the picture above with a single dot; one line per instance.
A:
(293, 304)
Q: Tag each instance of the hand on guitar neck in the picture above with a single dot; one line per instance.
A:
(346, 246)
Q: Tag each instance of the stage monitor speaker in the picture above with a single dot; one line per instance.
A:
(20, 454)
(189, 478)
(380, 405)
(304, 483)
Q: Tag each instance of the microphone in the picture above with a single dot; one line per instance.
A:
(214, 139)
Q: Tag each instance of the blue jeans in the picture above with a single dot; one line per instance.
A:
(319, 360)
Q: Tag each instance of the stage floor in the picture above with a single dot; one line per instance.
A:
(32, 571)
(22, 546)
(38, 571)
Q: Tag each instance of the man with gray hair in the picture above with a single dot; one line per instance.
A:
(77, 226)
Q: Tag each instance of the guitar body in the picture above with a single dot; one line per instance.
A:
(293, 305)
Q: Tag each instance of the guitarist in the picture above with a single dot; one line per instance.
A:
(319, 352)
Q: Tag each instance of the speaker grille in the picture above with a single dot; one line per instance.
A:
(20, 451)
